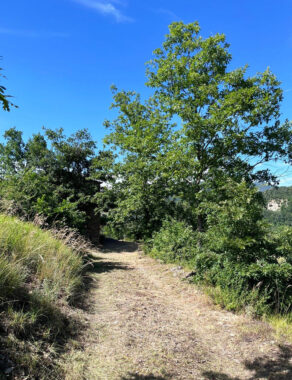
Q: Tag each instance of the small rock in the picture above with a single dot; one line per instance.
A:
(175, 269)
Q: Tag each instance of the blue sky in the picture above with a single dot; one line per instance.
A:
(61, 56)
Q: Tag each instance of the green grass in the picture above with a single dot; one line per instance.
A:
(39, 277)
(282, 325)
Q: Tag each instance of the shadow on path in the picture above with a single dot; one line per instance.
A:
(117, 246)
(95, 265)
(100, 266)
(135, 376)
(277, 368)
(210, 375)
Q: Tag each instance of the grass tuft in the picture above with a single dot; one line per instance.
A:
(40, 275)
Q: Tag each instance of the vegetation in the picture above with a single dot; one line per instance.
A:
(243, 264)
(283, 216)
(53, 176)
(4, 98)
(189, 188)
(226, 120)
(180, 174)
(39, 277)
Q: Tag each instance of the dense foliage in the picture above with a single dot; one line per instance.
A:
(187, 168)
(227, 123)
(142, 135)
(244, 262)
(53, 176)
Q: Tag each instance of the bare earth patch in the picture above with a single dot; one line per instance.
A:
(146, 323)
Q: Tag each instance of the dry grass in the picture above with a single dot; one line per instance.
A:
(39, 276)
(69, 236)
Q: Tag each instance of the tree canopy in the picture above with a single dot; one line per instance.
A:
(52, 175)
(227, 123)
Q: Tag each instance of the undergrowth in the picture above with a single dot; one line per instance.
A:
(259, 284)
(40, 277)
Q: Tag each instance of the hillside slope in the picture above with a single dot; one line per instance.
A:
(39, 277)
(281, 199)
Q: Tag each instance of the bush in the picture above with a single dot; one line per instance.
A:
(249, 270)
(262, 286)
(52, 175)
(234, 226)
(174, 242)
(281, 240)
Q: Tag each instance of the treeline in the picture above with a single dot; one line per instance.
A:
(55, 176)
(179, 173)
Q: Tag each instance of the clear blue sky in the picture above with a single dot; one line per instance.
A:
(61, 56)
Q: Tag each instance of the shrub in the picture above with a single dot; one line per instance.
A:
(53, 175)
(174, 242)
(281, 240)
(234, 226)
(263, 286)
(240, 272)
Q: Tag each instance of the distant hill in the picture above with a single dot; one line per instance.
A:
(279, 205)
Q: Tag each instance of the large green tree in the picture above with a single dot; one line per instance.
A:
(228, 123)
(142, 135)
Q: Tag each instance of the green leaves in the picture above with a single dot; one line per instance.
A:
(224, 114)
(53, 175)
(227, 124)
(142, 135)
(4, 98)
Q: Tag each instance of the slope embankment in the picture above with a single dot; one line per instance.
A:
(40, 277)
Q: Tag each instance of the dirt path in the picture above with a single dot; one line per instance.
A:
(147, 323)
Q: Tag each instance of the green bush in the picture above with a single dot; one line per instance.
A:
(243, 262)
(234, 226)
(204, 263)
(263, 286)
(174, 242)
(52, 175)
(281, 240)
